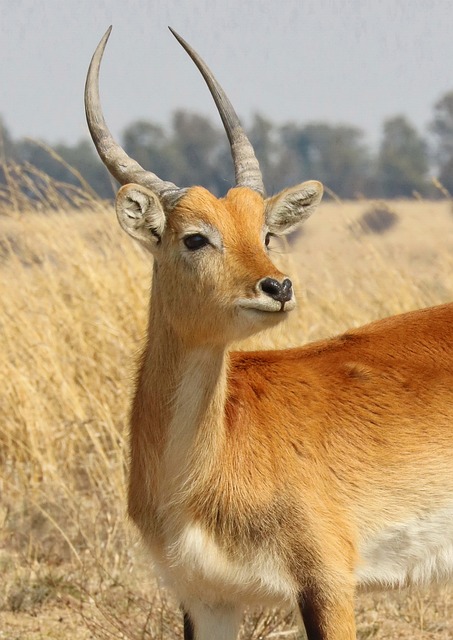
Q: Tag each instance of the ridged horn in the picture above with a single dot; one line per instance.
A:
(121, 166)
(246, 167)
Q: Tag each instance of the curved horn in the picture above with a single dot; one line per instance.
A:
(246, 167)
(121, 166)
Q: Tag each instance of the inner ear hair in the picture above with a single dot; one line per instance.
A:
(292, 206)
(140, 213)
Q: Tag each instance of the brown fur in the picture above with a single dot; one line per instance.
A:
(298, 455)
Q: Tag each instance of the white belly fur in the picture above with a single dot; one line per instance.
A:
(419, 551)
(195, 566)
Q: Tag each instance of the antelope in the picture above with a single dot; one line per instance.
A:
(286, 478)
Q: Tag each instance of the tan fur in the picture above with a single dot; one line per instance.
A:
(283, 476)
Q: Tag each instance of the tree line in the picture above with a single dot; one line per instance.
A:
(192, 150)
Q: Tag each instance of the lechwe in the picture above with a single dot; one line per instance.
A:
(274, 477)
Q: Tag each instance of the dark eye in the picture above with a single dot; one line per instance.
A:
(268, 238)
(195, 241)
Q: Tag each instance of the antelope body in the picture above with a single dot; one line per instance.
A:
(274, 477)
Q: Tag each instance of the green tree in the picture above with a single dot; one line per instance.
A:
(279, 164)
(334, 154)
(202, 152)
(83, 157)
(264, 137)
(402, 162)
(7, 146)
(80, 156)
(192, 152)
(8, 151)
(442, 128)
(149, 144)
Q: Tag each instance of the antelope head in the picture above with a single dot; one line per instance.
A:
(213, 279)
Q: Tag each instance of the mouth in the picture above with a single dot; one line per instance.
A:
(267, 305)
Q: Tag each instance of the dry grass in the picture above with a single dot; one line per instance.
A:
(74, 292)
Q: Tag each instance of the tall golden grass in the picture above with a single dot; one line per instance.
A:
(74, 294)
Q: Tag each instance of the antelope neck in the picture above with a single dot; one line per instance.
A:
(188, 385)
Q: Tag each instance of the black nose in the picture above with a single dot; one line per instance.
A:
(281, 291)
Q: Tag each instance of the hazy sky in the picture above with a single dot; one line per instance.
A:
(351, 61)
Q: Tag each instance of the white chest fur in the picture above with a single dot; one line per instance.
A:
(190, 559)
(414, 552)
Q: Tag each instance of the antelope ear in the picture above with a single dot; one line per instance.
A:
(292, 206)
(141, 214)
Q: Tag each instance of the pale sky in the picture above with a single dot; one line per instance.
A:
(340, 61)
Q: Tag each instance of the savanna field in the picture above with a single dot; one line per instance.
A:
(74, 292)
